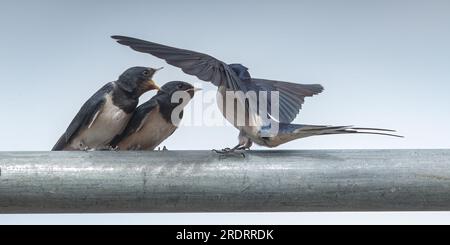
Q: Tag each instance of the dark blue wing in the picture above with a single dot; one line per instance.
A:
(203, 66)
(208, 68)
(291, 96)
(84, 116)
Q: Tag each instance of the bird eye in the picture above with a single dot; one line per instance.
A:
(146, 73)
(180, 86)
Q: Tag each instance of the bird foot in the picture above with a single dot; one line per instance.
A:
(223, 151)
(163, 149)
(106, 148)
(230, 151)
(87, 149)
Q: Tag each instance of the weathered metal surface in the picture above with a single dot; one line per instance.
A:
(202, 181)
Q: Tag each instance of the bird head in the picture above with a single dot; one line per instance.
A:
(173, 87)
(138, 80)
(241, 71)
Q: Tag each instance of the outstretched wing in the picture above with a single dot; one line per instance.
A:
(291, 96)
(137, 120)
(208, 68)
(84, 117)
(203, 66)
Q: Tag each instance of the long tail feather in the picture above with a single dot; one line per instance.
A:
(328, 130)
(363, 132)
(288, 132)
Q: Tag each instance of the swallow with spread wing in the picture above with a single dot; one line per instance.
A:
(235, 77)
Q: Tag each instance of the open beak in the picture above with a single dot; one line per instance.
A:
(153, 85)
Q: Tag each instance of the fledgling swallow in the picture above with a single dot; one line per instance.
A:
(152, 122)
(236, 78)
(107, 112)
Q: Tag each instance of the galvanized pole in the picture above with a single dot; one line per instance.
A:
(203, 181)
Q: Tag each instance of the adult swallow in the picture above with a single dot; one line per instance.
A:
(107, 112)
(236, 78)
(152, 122)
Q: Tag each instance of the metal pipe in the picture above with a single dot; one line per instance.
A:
(203, 181)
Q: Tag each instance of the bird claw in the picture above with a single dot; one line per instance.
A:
(224, 151)
(230, 151)
(87, 149)
(106, 148)
(163, 149)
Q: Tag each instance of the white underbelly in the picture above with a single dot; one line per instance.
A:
(110, 122)
(153, 132)
(236, 116)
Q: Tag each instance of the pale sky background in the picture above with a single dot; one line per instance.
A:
(382, 63)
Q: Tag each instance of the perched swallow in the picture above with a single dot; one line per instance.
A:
(235, 77)
(107, 112)
(151, 122)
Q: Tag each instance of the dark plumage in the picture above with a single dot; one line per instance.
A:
(107, 112)
(151, 122)
(235, 77)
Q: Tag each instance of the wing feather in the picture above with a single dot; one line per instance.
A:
(292, 96)
(208, 68)
(85, 116)
(203, 66)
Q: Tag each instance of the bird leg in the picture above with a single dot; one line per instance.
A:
(243, 148)
(244, 144)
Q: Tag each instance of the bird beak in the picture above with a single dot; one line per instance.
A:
(153, 85)
(197, 89)
(194, 90)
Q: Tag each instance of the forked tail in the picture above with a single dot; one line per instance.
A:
(288, 132)
(312, 130)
